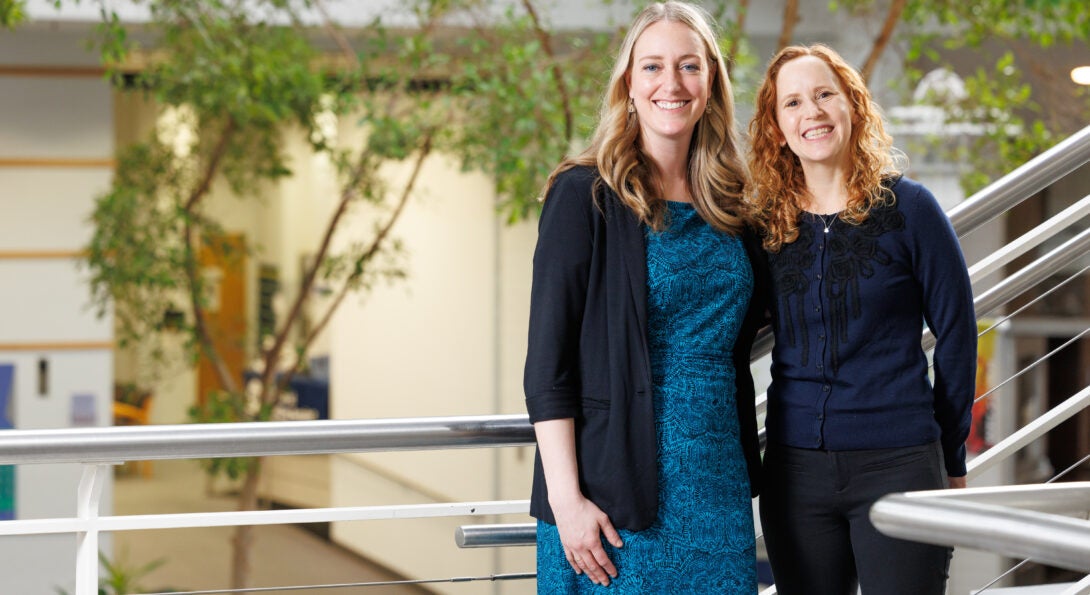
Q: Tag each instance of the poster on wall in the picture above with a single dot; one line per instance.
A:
(979, 439)
(7, 472)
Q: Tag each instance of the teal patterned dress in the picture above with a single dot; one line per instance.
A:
(699, 283)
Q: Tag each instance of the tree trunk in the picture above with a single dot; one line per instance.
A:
(790, 19)
(739, 30)
(243, 539)
(896, 9)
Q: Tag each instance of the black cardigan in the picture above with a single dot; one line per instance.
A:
(588, 358)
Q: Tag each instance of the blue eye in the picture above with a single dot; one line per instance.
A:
(691, 67)
(651, 67)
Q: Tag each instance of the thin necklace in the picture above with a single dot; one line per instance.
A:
(827, 224)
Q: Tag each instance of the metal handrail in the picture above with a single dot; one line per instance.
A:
(199, 441)
(96, 447)
(511, 534)
(985, 205)
(972, 518)
(522, 534)
(1029, 179)
(1029, 433)
(1029, 240)
(1027, 277)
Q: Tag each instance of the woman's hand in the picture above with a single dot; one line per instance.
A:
(581, 524)
(579, 521)
(957, 482)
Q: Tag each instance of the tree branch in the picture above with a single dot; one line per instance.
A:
(739, 28)
(200, 324)
(790, 19)
(273, 353)
(338, 37)
(558, 74)
(213, 166)
(882, 41)
(372, 250)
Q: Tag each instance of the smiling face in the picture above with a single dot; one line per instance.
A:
(669, 83)
(814, 113)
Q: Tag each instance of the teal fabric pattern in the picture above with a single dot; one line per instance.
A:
(699, 285)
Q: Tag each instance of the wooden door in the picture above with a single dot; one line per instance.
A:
(223, 266)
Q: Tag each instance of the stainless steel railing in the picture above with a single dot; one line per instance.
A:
(1022, 183)
(1020, 521)
(199, 441)
(96, 448)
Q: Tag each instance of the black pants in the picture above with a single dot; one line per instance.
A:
(820, 541)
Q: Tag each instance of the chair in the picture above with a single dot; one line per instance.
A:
(126, 413)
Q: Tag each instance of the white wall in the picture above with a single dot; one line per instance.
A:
(448, 341)
(56, 140)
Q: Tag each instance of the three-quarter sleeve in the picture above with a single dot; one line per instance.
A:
(558, 296)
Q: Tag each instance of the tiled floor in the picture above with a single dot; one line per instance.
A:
(199, 559)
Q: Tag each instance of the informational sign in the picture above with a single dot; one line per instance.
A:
(83, 410)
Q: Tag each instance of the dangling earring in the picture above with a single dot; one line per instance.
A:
(631, 106)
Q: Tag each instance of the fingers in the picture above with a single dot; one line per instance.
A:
(576, 563)
(582, 525)
(611, 534)
(606, 569)
(594, 563)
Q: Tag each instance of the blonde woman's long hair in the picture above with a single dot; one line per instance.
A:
(716, 173)
(778, 188)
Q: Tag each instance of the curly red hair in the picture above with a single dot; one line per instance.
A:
(777, 182)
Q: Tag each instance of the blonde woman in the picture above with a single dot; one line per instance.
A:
(861, 258)
(641, 322)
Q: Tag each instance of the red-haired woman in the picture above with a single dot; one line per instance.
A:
(861, 258)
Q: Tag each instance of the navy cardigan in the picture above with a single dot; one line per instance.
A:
(588, 358)
(848, 372)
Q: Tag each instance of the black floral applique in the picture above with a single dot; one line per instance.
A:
(854, 253)
(791, 278)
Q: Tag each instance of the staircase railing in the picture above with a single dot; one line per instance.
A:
(1059, 540)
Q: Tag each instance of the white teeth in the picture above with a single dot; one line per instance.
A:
(816, 132)
(669, 104)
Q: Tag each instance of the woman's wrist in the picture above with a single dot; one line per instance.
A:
(564, 498)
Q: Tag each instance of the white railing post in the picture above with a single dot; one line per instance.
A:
(87, 503)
